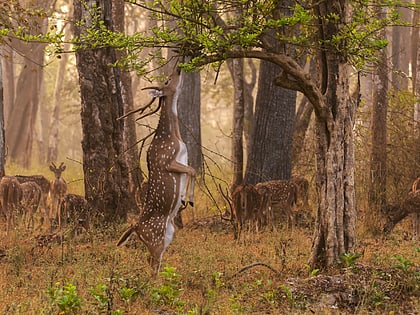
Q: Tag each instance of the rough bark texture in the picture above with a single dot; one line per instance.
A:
(131, 152)
(189, 111)
(335, 226)
(270, 155)
(378, 157)
(236, 68)
(105, 168)
(2, 142)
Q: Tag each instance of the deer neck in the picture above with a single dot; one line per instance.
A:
(168, 122)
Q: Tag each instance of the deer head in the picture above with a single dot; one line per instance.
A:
(58, 189)
(169, 176)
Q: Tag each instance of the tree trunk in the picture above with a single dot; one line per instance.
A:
(2, 142)
(401, 51)
(53, 141)
(131, 151)
(236, 68)
(189, 113)
(335, 226)
(378, 158)
(104, 166)
(270, 155)
(21, 121)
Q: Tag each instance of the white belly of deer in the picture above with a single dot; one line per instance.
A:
(182, 158)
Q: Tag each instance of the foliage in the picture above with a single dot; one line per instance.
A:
(65, 298)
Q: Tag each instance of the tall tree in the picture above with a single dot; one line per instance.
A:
(104, 165)
(21, 122)
(135, 175)
(378, 158)
(326, 28)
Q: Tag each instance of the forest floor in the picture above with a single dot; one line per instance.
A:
(205, 271)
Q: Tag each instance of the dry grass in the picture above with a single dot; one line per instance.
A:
(202, 274)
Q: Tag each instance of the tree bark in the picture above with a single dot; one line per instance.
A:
(104, 166)
(378, 157)
(335, 226)
(131, 151)
(270, 155)
(236, 68)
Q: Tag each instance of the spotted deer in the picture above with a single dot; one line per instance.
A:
(44, 184)
(31, 198)
(281, 195)
(245, 205)
(169, 177)
(58, 188)
(75, 212)
(302, 190)
(395, 213)
(10, 198)
(416, 216)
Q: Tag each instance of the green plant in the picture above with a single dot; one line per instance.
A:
(168, 293)
(288, 294)
(65, 298)
(312, 272)
(404, 264)
(100, 293)
(349, 259)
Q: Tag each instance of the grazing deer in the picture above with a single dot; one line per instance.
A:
(302, 190)
(10, 198)
(169, 177)
(416, 216)
(58, 188)
(31, 198)
(244, 207)
(44, 184)
(396, 212)
(75, 211)
(281, 195)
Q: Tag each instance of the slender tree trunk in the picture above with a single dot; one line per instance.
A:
(52, 154)
(378, 158)
(2, 142)
(236, 68)
(336, 215)
(131, 150)
(104, 166)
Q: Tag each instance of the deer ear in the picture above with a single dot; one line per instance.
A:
(156, 93)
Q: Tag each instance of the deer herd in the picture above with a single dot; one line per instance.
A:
(22, 196)
(170, 189)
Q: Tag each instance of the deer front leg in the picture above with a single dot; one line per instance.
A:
(189, 172)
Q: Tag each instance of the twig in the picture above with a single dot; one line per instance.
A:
(255, 264)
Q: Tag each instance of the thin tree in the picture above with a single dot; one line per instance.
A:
(378, 158)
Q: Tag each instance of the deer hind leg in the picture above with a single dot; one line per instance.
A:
(416, 223)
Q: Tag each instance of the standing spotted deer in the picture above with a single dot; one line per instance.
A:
(281, 195)
(169, 177)
(58, 189)
(10, 198)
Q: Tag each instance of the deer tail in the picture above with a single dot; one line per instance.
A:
(126, 235)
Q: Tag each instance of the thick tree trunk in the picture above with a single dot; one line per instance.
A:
(104, 165)
(189, 113)
(270, 155)
(336, 215)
